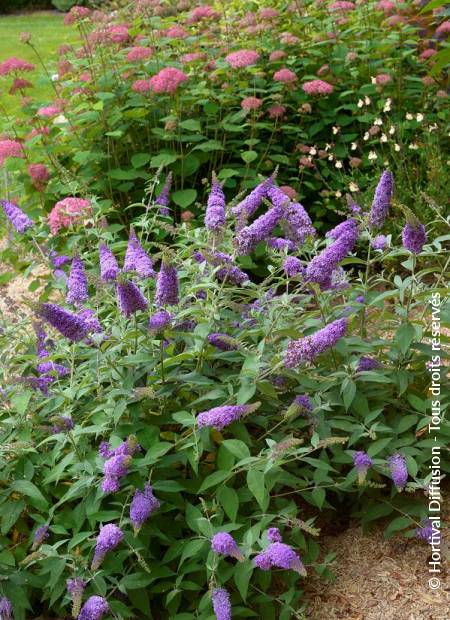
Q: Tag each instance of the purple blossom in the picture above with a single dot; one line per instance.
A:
(39, 383)
(94, 608)
(67, 323)
(293, 267)
(115, 467)
(16, 216)
(221, 604)
(164, 197)
(367, 363)
(362, 462)
(296, 221)
(65, 422)
(300, 405)
(278, 243)
(232, 275)
(77, 285)
(379, 242)
(223, 341)
(274, 535)
(215, 208)
(220, 417)
(143, 504)
(425, 531)
(198, 257)
(129, 298)
(44, 343)
(399, 472)
(59, 260)
(360, 299)
(280, 555)
(167, 286)
(414, 237)
(108, 538)
(382, 200)
(321, 268)
(109, 269)
(104, 450)
(92, 322)
(159, 321)
(39, 536)
(46, 367)
(6, 609)
(309, 347)
(223, 543)
(75, 587)
(136, 258)
(249, 236)
(250, 204)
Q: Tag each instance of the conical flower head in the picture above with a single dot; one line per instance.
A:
(399, 471)
(16, 216)
(67, 323)
(362, 462)
(109, 537)
(221, 604)
(308, 348)
(159, 321)
(77, 285)
(136, 259)
(6, 609)
(215, 208)
(220, 417)
(223, 543)
(109, 269)
(143, 504)
(39, 536)
(382, 200)
(94, 608)
(129, 298)
(75, 587)
(163, 198)
(167, 286)
(414, 237)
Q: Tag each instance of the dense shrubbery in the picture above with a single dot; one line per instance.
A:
(246, 406)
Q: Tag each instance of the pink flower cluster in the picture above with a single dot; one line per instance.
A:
(10, 148)
(15, 65)
(285, 75)
(118, 33)
(76, 14)
(251, 103)
(317, 87)
(141, 86)
(289, 39)
(428, 53)
(342, 5)
(277, 55)
(242, 58)
(39, 176)
(192, 57)
(202, 12)
(139, 53)
(175, 32)
(49, 111)
(386, 6)
(382, 79)
(268, 13)
(68, 211)
(443, 30)
(167, 80)
(277, 111)
(19, 84)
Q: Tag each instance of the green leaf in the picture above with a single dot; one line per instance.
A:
(348, 392)
(135, 581)
(140, 159)
(11, 511)
(237, 448)
(210, 145)
(376, 511)
(191, 125)
(164, 159)
(255, 483)
(242, 575)
(123, 175)
(229, 501)
(20, 402)
(249, 156)
(26, 487)
(213, 479)
(406, 422)
(184, 197)
(400, 523)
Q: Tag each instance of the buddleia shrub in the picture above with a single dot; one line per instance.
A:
(175, 423)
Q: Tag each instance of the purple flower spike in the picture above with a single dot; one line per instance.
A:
(108, 538)
(159, 321)
(220, 417)
(296, 221)
(249, 236)
(263, 561)
(223, 543)
(16, 216)
(278, 243)
(414, 238)
(164, 197)
(215, 209)
(75, 587)
(382, 200)
(367, 363)
(250, 204)
(46, 367)
(362, 462)
(109, 269)
(293, 267)
(399, 472)
(6, 609)
(77, 285)
(142, 506)
(221, 604)
(279, 555)
(114, 468)
(92, 322)
(223, 342)
(129, 298)
(43, 342)
(94, 609)
(167, 286)
(136, 258)
(379, 242)
(39, 536)
(425, 531)
(308, 348)
(68, 324)
(274, 535)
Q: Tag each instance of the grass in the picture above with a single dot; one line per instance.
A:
(48, 32)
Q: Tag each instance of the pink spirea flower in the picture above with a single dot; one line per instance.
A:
(10, 148)
(386, 6)
(175, 32)
(49, 111)
(317, 87)
(383, 78)
(202, 12)
(277, 55)
(141, 86)
(443, 30)
(139, 53)
(192, 57)
(39, 176)
(285, 75)
(395, 20)
(427, 80)
(268, 13)
(251, 103)
(118, 33)
(68, 211)
(76, 14)
(289, 191)
(242, 58)
(167, 80)
(15, 65)
(276, 111)
(289, 39)
(342, 5)
(428, 53)
(19, 84)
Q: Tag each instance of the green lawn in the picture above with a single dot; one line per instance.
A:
(48, 32)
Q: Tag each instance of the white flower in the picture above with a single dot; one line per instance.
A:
(367, 100)
(313, 150)
(330, 157)
(396, 147)
(55, 77)
(386, 163)
(413, 146)
(338, 164)
(353, 187)
(372, 155)
(409, 116)
(432, 127)
(378, 122)
(383, 138)
(373, 80)
(392, 130)
(335, 130)
(366, 136)
(419, 117)
(360, 103)
(338, 194)
(60, 120)
(327, 147)
(354, 146)
(387, 105)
